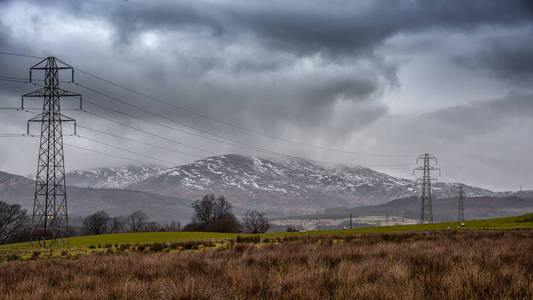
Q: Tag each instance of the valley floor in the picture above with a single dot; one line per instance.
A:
(448, 264)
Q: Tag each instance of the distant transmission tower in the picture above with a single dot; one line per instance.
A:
(461, 209)
(50, 217)
(426, 206)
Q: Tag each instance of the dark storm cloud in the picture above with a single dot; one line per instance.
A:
(508, 58)
(317, 26)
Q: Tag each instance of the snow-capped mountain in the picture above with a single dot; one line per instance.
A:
(111, 177)
(278, 187)
(290, 186)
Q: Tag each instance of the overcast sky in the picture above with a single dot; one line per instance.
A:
(384, 79)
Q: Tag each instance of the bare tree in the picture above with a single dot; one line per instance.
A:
(152, 227)
(97, 223)
(210, 209)
(213, 214)
(137, 221)
(255, 222)
(12, 219)
(173, 226)
(117, 224)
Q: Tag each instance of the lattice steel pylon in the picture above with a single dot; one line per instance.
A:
(426, 205)
(460, 208)
(50, 214)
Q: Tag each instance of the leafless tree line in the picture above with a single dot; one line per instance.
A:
(210, 213)
(100, 222)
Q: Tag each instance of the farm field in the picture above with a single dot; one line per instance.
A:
(468, 264)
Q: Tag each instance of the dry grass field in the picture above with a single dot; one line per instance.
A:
(410, 265)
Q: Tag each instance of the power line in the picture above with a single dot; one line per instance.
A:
(9, 135)
(127, 150)
(138, 141)
(213, 153)
(231, 124)
(179, 122)
(234, 143)
(20, 55)
(108, 154)
(224, 140)
(156, 123)
(14, 135)
(219, 138)
(147, 132)
(192, 127)
(396, 166)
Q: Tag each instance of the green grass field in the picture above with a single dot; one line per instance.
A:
(523, 221)
(518, 222)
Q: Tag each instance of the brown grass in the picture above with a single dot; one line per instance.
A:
(430, 265)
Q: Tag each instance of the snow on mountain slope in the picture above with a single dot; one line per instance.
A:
(279, 187)
(290, 186)
(111, 178)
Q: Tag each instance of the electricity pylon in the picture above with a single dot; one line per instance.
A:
(461, 209)
(426, 206)
(50, 215)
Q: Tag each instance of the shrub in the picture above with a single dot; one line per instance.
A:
(157, 247)
(249, 239)
(124, 247)
(13, 257)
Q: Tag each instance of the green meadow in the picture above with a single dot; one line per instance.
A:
(518, 222)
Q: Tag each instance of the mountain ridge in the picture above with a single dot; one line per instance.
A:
(285, 186)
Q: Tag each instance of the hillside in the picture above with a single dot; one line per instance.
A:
(111, 177)
(84, 201)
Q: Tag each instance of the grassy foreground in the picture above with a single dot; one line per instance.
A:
(482, 264)
(518, 222)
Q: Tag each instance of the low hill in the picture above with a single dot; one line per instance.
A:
(116, 202)
(443, 209)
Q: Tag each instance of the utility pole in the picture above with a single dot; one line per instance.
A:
(426, 206)
(350, 221)
(50, 215)
(461, 209)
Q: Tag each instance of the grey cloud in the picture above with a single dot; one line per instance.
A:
(510, 60)
(483, 118)
(317, 26)
(332, 27)
(483, 143)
